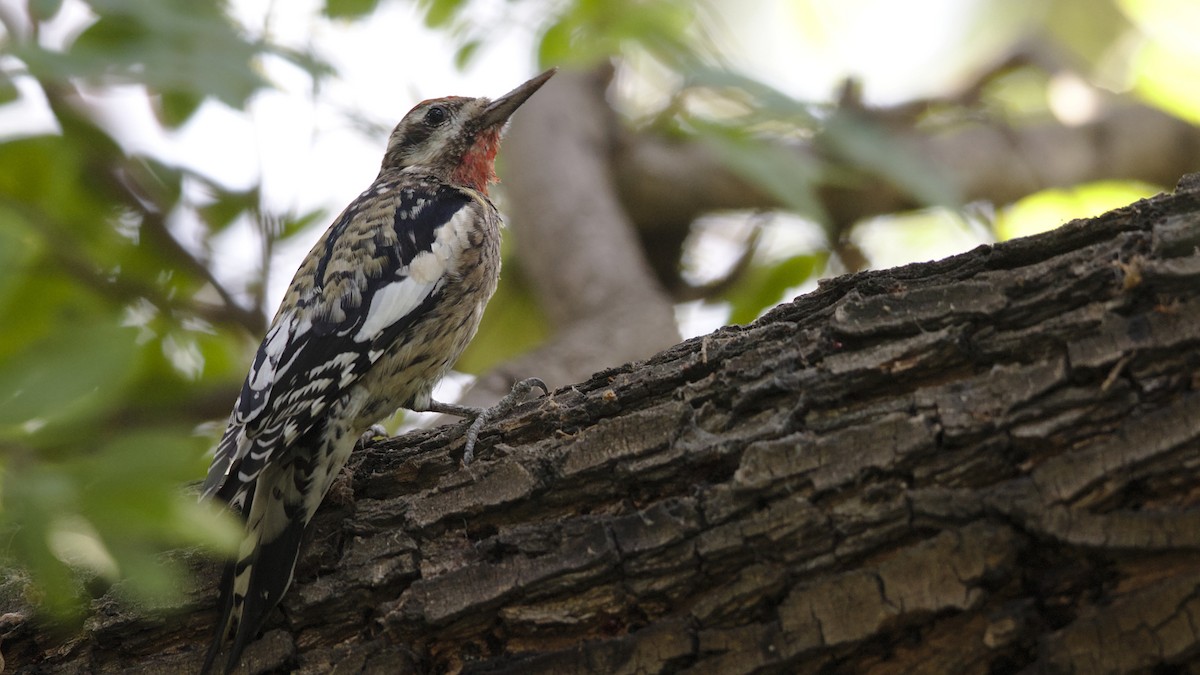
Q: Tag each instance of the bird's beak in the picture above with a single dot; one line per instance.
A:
(497, 112)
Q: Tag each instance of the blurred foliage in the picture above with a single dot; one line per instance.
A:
(765, 285)
(120, 342)
(675, 47)
(1048, 209)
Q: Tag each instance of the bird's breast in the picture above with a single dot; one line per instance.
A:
(463, 263)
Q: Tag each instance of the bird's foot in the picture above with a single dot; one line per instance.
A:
(375, 431)
(480, 416)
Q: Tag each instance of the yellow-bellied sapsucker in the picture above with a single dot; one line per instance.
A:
(377, 313)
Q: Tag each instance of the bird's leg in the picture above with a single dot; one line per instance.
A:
(480, 416)
(375, 431)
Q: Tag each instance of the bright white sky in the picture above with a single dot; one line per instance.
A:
(310, 155)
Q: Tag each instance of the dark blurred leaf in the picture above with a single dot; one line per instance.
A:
(44, 10)
(767, 102)
(130, 486)
(35, 499)
(8, 90)
(108, 512)
(784, 173)
(295, 224)
(868, 145)
(176, 107)
(171, 45)
(43, 301)
(49, 174)
(17, 244)
(764, 286)
(227, 206)
(69, 376)
(113, 34)
(588, 31)
(349, 9)
(151, 580)
(158, 183)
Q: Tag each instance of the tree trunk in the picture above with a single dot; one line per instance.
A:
(985, 464)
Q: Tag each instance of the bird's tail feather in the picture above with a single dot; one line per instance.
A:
(278, 506)
(269, 575)
(225, 611)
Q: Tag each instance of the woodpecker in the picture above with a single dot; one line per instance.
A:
(377, 313)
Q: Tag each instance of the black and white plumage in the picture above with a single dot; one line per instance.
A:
(376, 314)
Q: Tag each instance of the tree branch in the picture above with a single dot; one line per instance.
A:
(981, 464)
(70, 110)
(668, 183)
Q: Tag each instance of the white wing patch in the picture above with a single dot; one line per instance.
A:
(276, 340)
(396, 300)
(263, 375)
(390, 304)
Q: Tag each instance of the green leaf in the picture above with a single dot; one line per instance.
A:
(764, 286)
(176, 107)
(72, 375)
(49, 176)
(32, 496)
(8, 90)
(349, 9)
(115, 34)
(130, 489)
(18, 244)
(295, 224)
(1088, 28)
(441, 12)
(768, 102)
(465, 53)
(110, 512)
(162, 183)
(168, 46)
(555, 45)
(782, 172)
(227, 206)
(868, 145)
(44, 10)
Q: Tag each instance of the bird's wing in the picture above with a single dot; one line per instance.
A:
(379, 269)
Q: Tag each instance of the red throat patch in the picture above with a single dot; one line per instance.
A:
(478, 166)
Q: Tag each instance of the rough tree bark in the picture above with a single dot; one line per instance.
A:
(986, 464)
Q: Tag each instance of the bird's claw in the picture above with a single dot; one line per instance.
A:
(516, 396)
(373, 432)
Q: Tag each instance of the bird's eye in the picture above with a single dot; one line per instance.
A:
(436, 116)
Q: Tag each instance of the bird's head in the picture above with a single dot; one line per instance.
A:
(456, 138)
